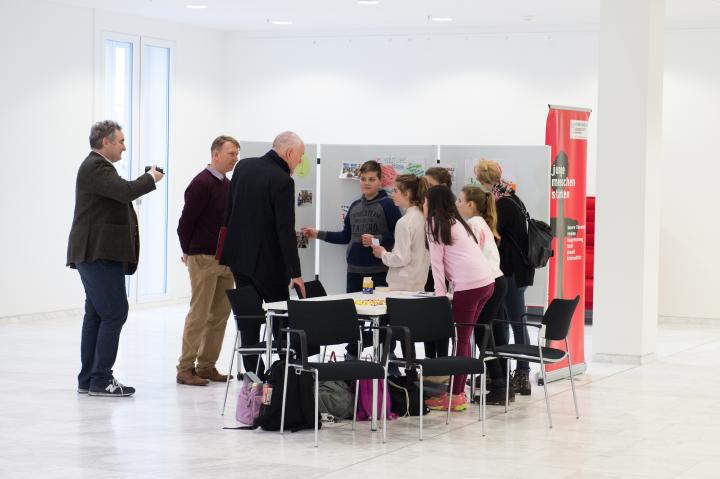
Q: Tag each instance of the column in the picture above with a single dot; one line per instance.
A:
(628, 180)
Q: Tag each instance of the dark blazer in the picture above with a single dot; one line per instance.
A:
(260, 219)
(104, 224)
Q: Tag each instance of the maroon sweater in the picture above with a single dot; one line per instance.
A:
(203, 214)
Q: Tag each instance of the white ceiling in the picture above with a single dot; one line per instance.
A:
(392, 16)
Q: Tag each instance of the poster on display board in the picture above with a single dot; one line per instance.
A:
(391, 167)
(304, 177)
(339, 187)
(566, 134)
(526, 166)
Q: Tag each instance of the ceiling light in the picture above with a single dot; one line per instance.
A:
(196, 7)
(368, 2)
(282, 22)
(440, 19)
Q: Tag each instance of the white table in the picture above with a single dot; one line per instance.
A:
(374, 313)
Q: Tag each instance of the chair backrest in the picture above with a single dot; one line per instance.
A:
(313, 289)
(558, 317)
(325, 322)
(246, 305)
(427, 318)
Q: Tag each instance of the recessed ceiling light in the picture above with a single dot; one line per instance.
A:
(368, 2)
(441, 19)
(282, 22)
(196, 7)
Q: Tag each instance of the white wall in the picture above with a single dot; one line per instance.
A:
(477, 90)
(689, 225)
(47, 105)
(494, 89)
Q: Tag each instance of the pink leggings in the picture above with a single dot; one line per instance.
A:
(466, 307)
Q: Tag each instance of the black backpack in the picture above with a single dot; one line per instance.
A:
(540, 238)
(300, 404)
(405, 397)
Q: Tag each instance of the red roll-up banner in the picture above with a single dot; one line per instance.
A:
(566, 135)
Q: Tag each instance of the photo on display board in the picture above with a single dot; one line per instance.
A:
(302, 240)
(305, 198)
(350, 171)
(343, 212)
(392, 166)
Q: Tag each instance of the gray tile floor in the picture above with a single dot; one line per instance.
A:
(659, 420)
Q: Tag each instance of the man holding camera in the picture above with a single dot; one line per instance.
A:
(198, 230)
(104, 246)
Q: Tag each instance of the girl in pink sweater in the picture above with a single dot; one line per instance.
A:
(456, 255)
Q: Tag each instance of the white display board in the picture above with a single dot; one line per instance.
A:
(529, 168)
(305, 206)
(337, 194)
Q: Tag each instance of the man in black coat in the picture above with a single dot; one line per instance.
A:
(261, 247)
(104, 246)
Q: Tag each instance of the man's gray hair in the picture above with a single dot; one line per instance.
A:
(100, 130)
(285, 140)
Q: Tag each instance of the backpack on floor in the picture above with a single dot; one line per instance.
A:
(364, 407)
(405, 396)
(336, 399)
(300, 404)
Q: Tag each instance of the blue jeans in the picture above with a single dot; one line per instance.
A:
(106, 310)
(514, 309)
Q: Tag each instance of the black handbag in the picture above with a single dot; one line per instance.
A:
(405, 397)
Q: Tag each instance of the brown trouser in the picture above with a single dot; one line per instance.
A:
(209, 311)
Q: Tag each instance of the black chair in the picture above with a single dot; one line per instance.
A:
(313, 289)
(320, 323)
(555, 326)
(246, 306)
(430, 319)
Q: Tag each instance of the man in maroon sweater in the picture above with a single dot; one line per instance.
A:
(198, 228)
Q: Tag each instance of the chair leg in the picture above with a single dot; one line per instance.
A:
(384, 408)
(323, 353)
(357, 389)
(422, 401)
(316, 376)
(472, 376)
(572, 380)
(482, 401)
(547, 401)
(227, 383)
(450, 395)
(507, 383)
(282, 412)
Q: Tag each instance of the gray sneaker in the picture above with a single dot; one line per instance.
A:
(113, 389)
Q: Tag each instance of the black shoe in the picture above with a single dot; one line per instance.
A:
(488, 381)
(82, 390)
(496, 397)
(521, 382)
(112, 389)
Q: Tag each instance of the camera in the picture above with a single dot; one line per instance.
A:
(147, 168)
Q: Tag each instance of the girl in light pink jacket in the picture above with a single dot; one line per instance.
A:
(456, 255)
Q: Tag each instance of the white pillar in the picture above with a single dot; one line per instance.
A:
(628, 180)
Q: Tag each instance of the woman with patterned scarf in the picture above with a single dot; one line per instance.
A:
(512, 227)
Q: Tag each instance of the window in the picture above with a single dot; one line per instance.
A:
(155, 147)
(136, 91)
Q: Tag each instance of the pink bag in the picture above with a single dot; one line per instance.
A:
(249, 402)
(364, 410)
